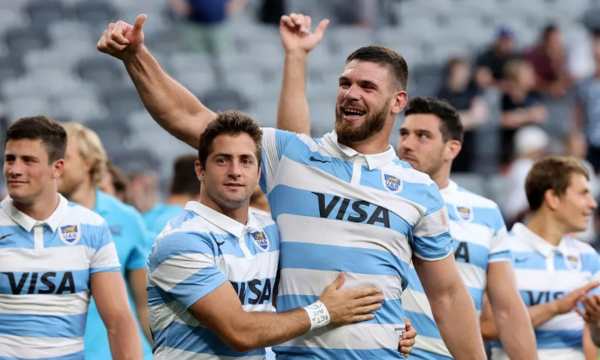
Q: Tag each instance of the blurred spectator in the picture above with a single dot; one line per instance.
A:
(531, 144)
(489, 65)
(114, 182)
(463, 94)
(549, 60)
(185, 186)
(270, 11)
(587, 109)
(520, 105)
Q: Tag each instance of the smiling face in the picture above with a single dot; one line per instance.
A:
(365, 101)
(231, 171)
(575, 207)
(29, 174)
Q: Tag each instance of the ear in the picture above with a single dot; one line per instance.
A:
(199, 170)
(399, 102)
(453, 149)
(551, 199)
(58, 168)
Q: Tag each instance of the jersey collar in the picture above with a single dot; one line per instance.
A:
(523, 233)
(374, 161)
(27, 222)
(222, 221)
(451, 188)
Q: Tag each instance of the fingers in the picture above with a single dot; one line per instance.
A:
(369, 300)
(360, 318)
(339, 281)
(320, 30)
(363, 292)
(139, 23)
(589, 286)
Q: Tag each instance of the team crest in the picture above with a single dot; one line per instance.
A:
(392, 183)
(573, 261)
(465, 213)
(69, 233)
(261, 239)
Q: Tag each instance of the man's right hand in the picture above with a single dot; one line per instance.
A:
(296, 35)
(121, 39)
(570, 300)
(350, 305)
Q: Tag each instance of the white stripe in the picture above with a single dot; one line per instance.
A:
(433, 345)
(168, 353)
(545, 354)
(416, 302)
(473, 276)
(542, 280)
(568, 321)
(472, 233)
(433, 224)
(44, 304)
(359, 336)
(261, 265)
(38, 347)
(60, 258)
(178, 268)
(312, 179)
(467, 198)
(163, 315)
(106, 257)
(347, 234)
(314, 281)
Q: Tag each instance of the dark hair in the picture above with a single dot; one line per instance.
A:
(119, 179)
(386, 56)
(450, 125)
(551, 173)
(230, 123)
(548, 30)
(185, 180)
(51, 133)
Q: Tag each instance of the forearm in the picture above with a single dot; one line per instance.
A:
(455, 316)
(259, 329)
(541, 313)
(293, 109)
(594, 334)
(123, 337)
(170, 104)
(515, 330)
(143, 315)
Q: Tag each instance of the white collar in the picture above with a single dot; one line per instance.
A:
(27, 222)
(222, 221)
(538, 243)
(451, 188)
(374, 161)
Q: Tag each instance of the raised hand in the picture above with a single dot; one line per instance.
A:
(122, 39)
(570, 300)
(296, 34)
(350, 305)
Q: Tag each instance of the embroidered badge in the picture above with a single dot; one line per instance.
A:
(69, 233)
(392, 183)
(261, 239)
(465, 213)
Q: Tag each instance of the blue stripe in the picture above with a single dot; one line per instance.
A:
(425, 194)
(528, 260)
(338, 258)
(424, 325)
(415, 285)
(156, 296)
(478, 254)
(421, 354)
(287, 200)
(303, 353)
(44, 282)
(197, 340)
(74, 356)
(391, 311)
(15, 237)
(182, 217)
(488, 217)
(184, 243)
(198, 285)
(92, 236)
(556, 339)
(433, 247)
(59, 326)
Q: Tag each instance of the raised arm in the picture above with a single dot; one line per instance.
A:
(108, 289)
(298, 40)
(452, 307)
(222, 312)
(170, 104)
(510, 313)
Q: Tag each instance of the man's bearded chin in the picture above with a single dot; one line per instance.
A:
(348, 135)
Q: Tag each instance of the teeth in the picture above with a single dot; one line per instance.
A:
(353, 112)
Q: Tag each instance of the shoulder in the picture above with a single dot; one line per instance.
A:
(80, 214)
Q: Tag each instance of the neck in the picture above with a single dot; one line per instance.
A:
(239, 214)
(40, 209)
(442, 176)
(377, 143)
(85, 195)
(542, 224)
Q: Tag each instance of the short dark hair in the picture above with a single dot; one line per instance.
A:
(230, 123)
(51, 133)
(551, 173)
(185, 180)
(385, 56)
(450, 125)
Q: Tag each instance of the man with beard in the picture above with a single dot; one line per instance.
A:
(85, 161)
(343, 202)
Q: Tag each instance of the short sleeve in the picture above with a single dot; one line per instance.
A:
(104, 253)
(500, 245)
(431, 238)
(274, 146)
(184, 266)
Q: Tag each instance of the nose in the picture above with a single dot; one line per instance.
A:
(350, 92)
(13, 169)
(405, 142)
(235, 169)
(593, 203)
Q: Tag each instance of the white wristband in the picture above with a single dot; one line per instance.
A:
(318, 315)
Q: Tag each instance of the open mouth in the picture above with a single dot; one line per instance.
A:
(352, 112)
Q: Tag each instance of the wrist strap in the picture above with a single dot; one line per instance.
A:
(318, 315)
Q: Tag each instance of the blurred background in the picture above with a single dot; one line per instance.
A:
(525, 75)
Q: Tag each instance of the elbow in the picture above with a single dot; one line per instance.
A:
(241, 342)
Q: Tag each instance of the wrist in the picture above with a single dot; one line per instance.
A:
(318, 315)
(296, 54)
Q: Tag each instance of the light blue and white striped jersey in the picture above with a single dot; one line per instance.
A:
(342, 211)
(45, 271)
(198, 251)
(544, 273)
(478, 229)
